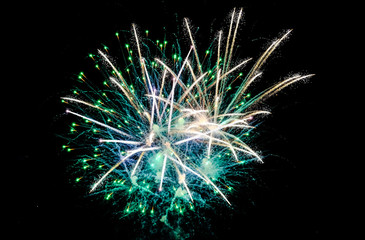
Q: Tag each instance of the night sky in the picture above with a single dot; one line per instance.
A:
(52, 43)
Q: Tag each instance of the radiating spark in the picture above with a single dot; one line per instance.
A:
(99, 123)
(83, 102)
(120, 141)
(163, 172)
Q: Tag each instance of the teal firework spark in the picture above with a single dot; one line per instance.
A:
(166, 133)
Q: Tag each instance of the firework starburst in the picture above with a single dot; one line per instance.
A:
(166, 132)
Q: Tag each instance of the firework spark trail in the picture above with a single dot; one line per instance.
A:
(166, 136)
(99, 123)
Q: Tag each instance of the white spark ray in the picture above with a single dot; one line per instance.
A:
(99, 123)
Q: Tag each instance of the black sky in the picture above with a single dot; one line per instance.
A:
(52, 43)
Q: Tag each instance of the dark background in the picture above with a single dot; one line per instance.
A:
(52, 41)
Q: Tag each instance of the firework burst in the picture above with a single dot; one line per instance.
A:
(166, 132)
